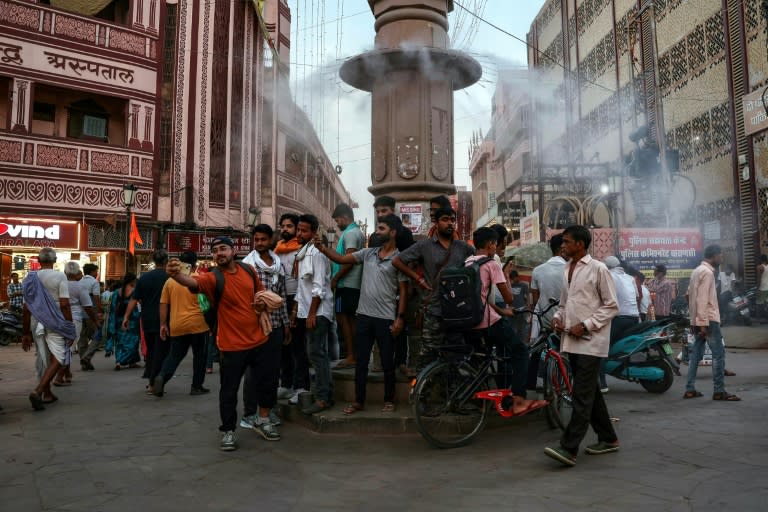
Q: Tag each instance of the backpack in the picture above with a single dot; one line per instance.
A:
(212, 314)
(459, 291)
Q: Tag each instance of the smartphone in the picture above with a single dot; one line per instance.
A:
(330, 236)
(186, 268)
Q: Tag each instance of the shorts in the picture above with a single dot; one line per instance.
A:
(347, 300)
(762, 296)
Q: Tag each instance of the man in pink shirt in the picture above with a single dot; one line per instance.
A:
(587, 306)
(494, 328)
(705, 322)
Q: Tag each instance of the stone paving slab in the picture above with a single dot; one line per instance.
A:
(106, 446)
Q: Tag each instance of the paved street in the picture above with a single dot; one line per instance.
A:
(106, 446)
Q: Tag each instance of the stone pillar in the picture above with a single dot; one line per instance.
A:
(21, 105)
(411, 74)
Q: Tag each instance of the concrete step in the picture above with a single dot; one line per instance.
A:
(344, 386)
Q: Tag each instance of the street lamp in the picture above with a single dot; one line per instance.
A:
(129, 198)
(253, 216)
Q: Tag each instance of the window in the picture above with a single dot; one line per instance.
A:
(87, 120)
(44, 112)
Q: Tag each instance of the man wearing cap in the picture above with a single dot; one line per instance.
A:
(182, 321)
(665, 291)
(629, 313)
(240, 337)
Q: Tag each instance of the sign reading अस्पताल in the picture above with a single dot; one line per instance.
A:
(33, 232)
(679, 249)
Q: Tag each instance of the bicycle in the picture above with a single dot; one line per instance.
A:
(451, 397)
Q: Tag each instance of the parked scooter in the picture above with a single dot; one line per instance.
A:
(10, 327)
(645, 355)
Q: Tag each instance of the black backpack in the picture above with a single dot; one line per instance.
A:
(459, 291)
(211, 316)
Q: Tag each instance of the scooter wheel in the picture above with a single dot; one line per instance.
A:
(663, 384)
(5, 338)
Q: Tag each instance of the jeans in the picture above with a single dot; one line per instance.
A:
(588, 405)
(714, 339)
(513, 373)
(370, 329)
(433, 334)
(157, 350)
(212, 351)
(263, 361)
(294, 367)
(260, 383)
(317, 350)
(179, 347)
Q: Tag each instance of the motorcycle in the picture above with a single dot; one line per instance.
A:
(645, 355)
(737, 310)
(10, 327)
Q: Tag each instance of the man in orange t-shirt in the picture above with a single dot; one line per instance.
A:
(241, 341)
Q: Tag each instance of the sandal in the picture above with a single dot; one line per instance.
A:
(352, 408)
(36, 401)
(388, 407)
(729, 373)
(52, 398)
(693, 394)
(61, 383)
(726, 397)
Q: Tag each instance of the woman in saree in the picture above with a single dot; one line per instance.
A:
(124, 343)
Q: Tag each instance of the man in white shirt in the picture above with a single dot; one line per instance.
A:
(315, 309)
(629, 313)
(547, 279)
(86, 346)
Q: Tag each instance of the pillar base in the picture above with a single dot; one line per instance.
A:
(412, 191)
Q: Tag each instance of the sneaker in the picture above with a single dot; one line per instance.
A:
(267, 430)
(274, 419)
(249, 422)
(561, 455)
(294, 400)
(228, 441)
(158, 386)
(197, 391)
(604, 390)
(284, 393)
(601, 448)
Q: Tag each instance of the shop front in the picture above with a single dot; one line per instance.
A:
(21, 239)
(177, 242)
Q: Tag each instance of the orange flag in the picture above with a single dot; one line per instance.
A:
(135, 236)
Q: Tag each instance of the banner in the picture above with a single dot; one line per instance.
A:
(180, 241)
(529, 229)
(679, 249)
(39, 232)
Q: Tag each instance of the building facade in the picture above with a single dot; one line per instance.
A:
(186, 100)
(672, 74)
(78, 118)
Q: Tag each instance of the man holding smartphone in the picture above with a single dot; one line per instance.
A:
(705, 321)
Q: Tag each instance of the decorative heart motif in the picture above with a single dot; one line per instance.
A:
(15, 190)
(35, 191)
(3, 228)
(55, 192)
(110, 197)
(74, 194)
(92, 196)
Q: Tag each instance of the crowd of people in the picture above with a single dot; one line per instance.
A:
(271, 318)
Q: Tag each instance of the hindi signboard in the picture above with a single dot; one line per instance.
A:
(180, 241)
(529, 229)
(679, 249)
(755, 118)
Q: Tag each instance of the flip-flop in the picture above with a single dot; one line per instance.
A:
(726, 397)
(343, 365)
(352, 409)
(388, 407)
(693, 394)
(534, 405)
(61, 384)
(53, 398)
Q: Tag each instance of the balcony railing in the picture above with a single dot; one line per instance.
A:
(86, 30)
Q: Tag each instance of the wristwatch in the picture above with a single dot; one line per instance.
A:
(584, 326)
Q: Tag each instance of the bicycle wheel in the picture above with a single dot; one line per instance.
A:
(560, 406)
(446, 412)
